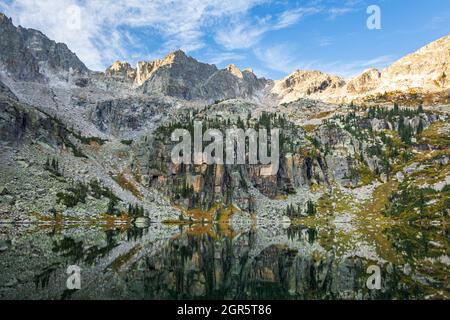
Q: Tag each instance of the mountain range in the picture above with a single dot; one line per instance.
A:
(104, 137)
(27, 54)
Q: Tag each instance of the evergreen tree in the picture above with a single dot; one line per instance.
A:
(419, 128)
(112, 207)
(420, 109)
(310, 208)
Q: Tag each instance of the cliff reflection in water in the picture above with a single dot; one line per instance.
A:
(206, 262)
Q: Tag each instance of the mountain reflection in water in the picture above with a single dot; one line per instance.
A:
(213, 262)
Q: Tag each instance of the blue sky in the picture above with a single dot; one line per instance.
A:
(274, 37)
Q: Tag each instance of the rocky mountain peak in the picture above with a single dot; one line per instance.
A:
(120, 65)
(3, 18)
(306, 83)
(365, 82)
(146, 69)
(234, 70)
(27, 54)
(121, 70)
(177, 56)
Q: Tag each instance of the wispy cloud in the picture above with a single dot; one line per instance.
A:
(240, 36)
(221, 57)
(291, 17)
(284, 59)
(325, 41)
(336, 12)
(351, 69)
(439, 22)
(242, 33)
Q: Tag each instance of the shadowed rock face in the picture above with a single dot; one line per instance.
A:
(16, 59)
(26, 53)
(6, 92)
(233, 83)
(20, 122)
(126, 115)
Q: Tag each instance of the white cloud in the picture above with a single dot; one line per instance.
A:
(221, 57)
(100, 39)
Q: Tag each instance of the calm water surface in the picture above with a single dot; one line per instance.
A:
(216, 262)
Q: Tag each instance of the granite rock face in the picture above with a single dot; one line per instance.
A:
(233, 83)
(119, 116)
(178, 76)
(206, 185)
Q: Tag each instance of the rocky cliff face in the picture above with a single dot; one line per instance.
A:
(127, 115)
(233, 83)
(205, 186)
(178, 76)
(351, 150)
(27, 54)
(20, 123)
